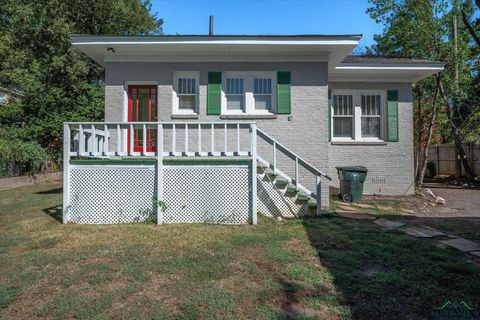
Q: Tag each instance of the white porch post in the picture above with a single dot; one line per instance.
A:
(66, 172)
(254, 172)
(159, 173)
(318, 195)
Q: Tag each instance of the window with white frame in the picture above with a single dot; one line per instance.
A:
(371, 116)
(262, 93)
(234, 94)
(185, 97)
(248, 92)
(342, 116)
(358, 115)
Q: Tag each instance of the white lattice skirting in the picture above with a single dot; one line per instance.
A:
(111, 194)
(207, 194)
(108, 194)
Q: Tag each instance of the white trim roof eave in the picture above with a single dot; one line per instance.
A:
(258, 48)
(215, 48)
(404, 66)
(384, 72)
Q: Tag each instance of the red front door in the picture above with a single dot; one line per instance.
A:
(142, 107)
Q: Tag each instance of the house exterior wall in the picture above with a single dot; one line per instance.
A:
(304, 131)
(390, 165)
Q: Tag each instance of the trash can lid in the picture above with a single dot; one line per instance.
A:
(353, 168)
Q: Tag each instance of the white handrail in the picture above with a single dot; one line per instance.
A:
(298, 162)
(159, 122)
(110, 139)
(292, 154)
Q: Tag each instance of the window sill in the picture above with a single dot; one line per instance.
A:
(184, 116)
(360, 142)
(247, 116)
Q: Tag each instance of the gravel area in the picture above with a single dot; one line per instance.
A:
(460, 202)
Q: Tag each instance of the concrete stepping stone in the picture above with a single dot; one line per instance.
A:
(462, 244)
(407, 211)
(423, 232)
(355, 215)
(475, 253)
(389, 224)
(365, 206)
(385, 208)
(347, 208)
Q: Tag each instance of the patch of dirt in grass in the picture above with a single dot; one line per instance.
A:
(157, 290)
(37, 301)
(287, 294)
(256, 255)
(115, 285)
(99, 260)
(27, 305)
(371, 270)
(288, 300)
(295, 244)
(236, 282)
(298, 310)
(36, 297)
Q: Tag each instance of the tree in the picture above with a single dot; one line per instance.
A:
(422, 29)
(37, 58)
(471, 28)
(472, 101)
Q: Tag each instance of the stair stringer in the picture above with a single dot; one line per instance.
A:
(273, 201)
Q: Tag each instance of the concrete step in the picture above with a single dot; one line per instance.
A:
(270, 173)
(311, 204)
(281, 183)
(302, 197)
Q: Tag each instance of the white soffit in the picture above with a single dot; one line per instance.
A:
(401, 72)
(256, 48)
(215, 48)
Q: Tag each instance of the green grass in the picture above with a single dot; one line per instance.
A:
(462, 229)
(327, 268)
(393, 213)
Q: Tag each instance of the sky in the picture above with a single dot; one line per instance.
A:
(268, 17)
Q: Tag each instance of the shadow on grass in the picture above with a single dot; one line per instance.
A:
(55, 212)
(51, 191)
(386, 274)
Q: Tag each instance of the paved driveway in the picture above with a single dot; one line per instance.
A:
(460, 202)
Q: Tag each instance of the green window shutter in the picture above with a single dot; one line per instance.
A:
(392, 116)
(329, 116)
(214, 93)
(283, 92)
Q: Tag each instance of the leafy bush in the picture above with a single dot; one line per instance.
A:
(19, 157)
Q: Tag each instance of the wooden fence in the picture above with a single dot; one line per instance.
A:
(444, 157)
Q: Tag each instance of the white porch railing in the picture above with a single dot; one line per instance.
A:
(180, 139)
(160, 140)
(148, 139)
(298, 162)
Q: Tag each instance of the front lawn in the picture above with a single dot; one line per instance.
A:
(326, 268)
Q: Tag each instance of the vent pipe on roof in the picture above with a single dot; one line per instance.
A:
(210, 28)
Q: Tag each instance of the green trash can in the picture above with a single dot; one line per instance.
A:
(351, 182)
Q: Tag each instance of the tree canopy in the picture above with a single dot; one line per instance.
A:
(433, 30)
(58, 82)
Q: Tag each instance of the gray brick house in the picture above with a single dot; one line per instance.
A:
(310, 105)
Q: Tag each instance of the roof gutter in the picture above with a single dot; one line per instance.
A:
(399, 66)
